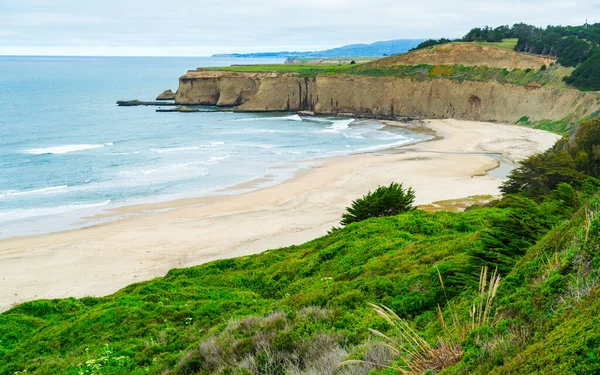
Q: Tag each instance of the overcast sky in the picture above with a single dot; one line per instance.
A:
(201, 28)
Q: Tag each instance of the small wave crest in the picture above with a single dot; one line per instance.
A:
(48, 190)
(26, 213)
(280, 118)
(165, 173)
(402, 142)
(64, 149)
(165, 150)
(340, 124)
(174, 149)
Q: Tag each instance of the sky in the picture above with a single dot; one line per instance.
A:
(202, 28)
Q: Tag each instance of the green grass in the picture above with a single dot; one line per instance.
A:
(528, 77)
(559, 127)
(335, 60)
(302, 70)
(151, 324)
(508, 44)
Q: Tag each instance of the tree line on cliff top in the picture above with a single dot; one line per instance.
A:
(573, 46)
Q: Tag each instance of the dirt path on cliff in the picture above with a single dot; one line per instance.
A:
(99, 260)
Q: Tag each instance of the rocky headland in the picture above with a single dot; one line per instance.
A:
(396, 96)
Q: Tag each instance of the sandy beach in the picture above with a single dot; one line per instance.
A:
(101, 259)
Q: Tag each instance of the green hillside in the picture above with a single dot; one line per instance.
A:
(304, 309)
(573, 46)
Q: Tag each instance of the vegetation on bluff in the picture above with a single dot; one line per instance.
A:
(551, 76)
(573, 46)
(304, 309)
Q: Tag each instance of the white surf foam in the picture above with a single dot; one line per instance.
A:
(216, 159)
(281, 118)
(64, 149)
(26, 213)
(163, 173)
(173, 149)
(48, 190)
(252, 131)
(341, 124)
(403, 142)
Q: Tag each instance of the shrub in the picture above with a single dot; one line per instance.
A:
(385, 201)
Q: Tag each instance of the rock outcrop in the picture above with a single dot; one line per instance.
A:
(384, 96)
(182, 109)
(166, 95)
(136, 103)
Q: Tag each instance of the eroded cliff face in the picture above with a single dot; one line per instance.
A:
(384, 96)
(218, 88)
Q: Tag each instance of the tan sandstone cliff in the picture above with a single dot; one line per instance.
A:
(383, 96)
(389, 96)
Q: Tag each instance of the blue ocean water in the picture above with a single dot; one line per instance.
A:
(68, 152)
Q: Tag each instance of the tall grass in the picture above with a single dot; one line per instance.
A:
(415, 354)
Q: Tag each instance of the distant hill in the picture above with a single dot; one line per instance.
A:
(382, 48)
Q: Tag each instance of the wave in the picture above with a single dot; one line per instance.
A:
(179, 149)
(253, 131)
(403, 142)
(281, 118)
(319, 119)
(174, 149)
(26, 213)
(264, 146)
(47, 190)
(64, 149)
(163, 173)
(171, 168)
(341, 124)
(216, 159)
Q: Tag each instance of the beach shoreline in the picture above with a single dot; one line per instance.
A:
(145, 241)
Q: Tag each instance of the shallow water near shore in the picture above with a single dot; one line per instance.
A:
(68, 152)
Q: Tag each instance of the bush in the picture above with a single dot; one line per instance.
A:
(385, 201)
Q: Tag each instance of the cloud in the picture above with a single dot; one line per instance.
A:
(205, 27)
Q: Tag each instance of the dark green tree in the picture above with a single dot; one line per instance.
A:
(385, 201)
(542, 173)
(586, 76)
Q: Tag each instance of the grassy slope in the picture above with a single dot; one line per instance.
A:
(151, 326)
(389, 261)
(508, 44)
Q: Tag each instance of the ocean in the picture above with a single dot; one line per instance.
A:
(68, 152)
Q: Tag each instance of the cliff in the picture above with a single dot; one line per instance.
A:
(369, 89)
(384, 96)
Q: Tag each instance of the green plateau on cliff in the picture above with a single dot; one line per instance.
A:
(552, 76)
(305, 309)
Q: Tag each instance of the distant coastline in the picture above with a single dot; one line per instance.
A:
(377, 49)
